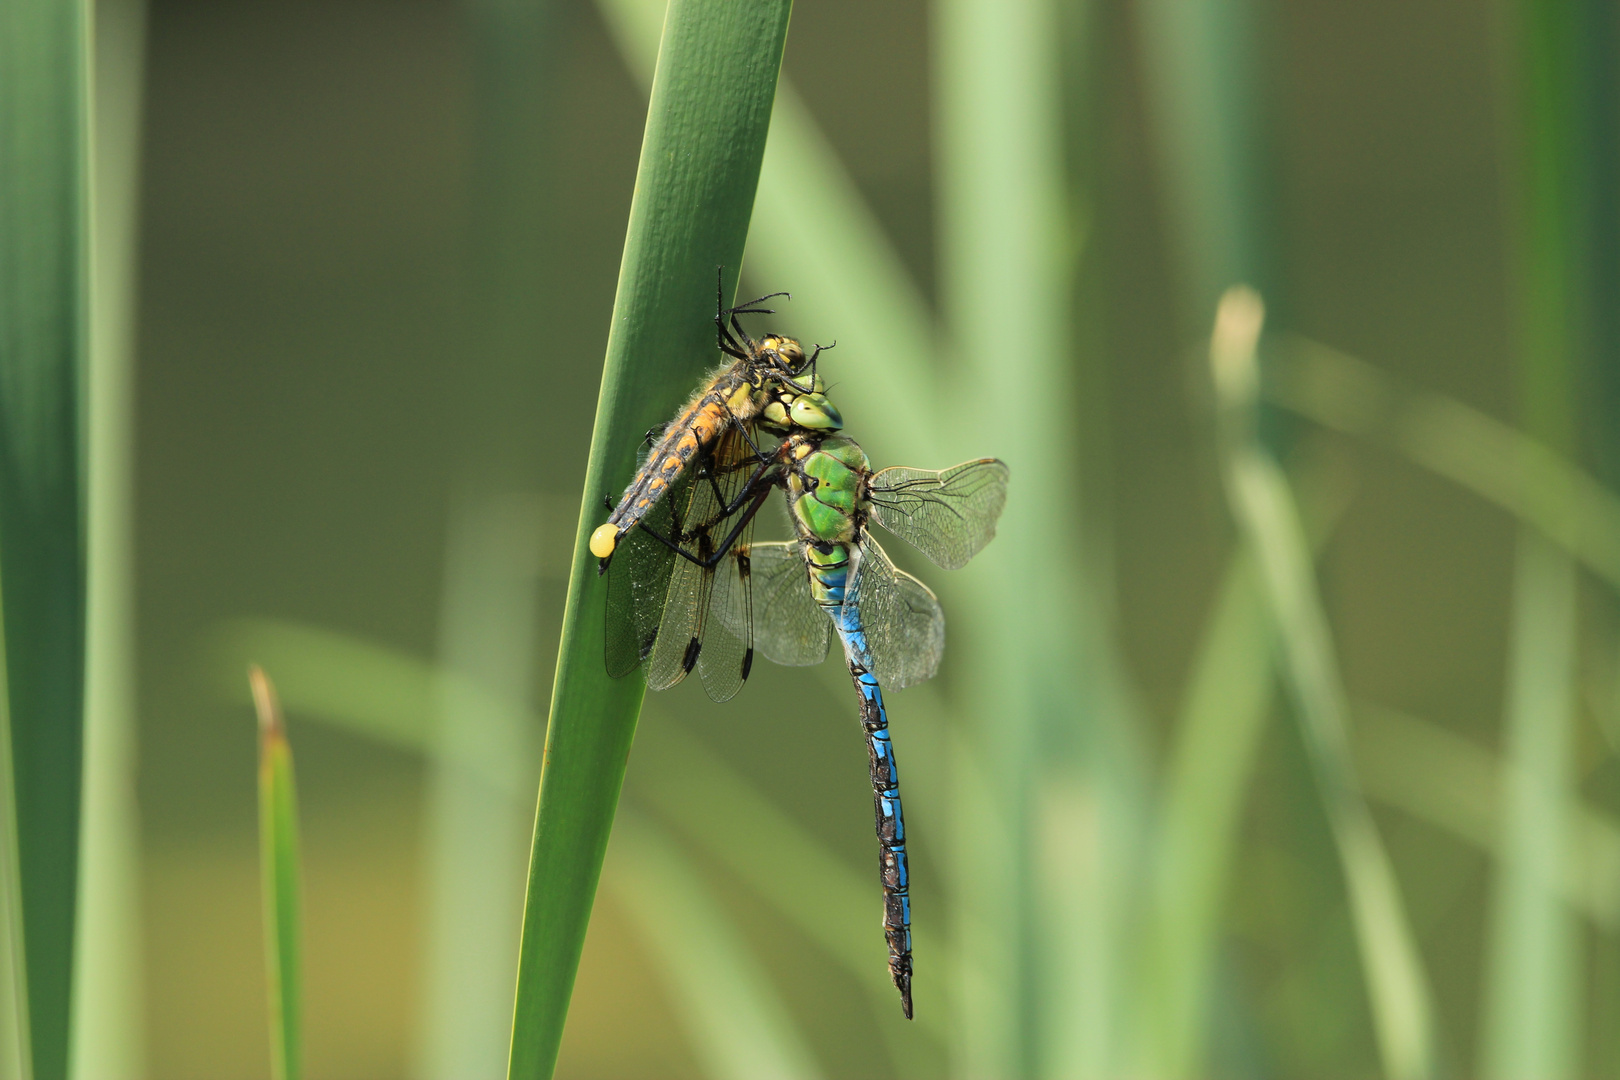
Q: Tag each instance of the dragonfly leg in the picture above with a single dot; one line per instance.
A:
(728, 344)
(719, 552)
(746, 434)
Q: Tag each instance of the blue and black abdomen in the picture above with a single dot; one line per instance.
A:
(829, 575)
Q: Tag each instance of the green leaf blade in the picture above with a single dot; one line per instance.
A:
(43, 288)
(281, 879)
(700, 161)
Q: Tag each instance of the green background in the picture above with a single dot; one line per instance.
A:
(314, 381)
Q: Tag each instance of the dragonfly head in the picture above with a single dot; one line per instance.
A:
(782, 352)
(798, 412)
(815, 412)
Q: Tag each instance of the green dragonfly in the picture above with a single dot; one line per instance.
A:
(692, 590)
(835, 575)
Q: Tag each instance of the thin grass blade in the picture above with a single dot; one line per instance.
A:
(281, 881)
(706, 125)
(1046, 730)
(107, 1016)
(1532, 1001)
(487, 749)
(1201, 71)
(43, 289)
(1266, 514)
(14, 1027)
(1217, 740)
(733, 1018)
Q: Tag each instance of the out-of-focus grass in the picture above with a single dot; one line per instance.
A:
(475, 829)
(1532, 997)
(1217, 737)
(1264, 508)
(281, 881)
(107, 1014)
(1077, 893)
(44, 280)
(491, 594)
(737, 1023)
(1045, 817)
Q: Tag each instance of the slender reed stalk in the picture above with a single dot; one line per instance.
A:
(280, 881)
(1532, 998)
(43, 289)
(108, 1038)
(1265, 510)
(705, 135)
(1047, 796)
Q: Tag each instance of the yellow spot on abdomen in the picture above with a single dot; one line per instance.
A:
(604, 540)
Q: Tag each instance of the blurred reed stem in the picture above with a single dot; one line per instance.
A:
(281, 882)
(706, 124)
(490, 603)
(44, 279)
(475, 827)
(1532, 997)
(1201, 62)
(108, 1036)
(1396, 986)
(1047, 774)
(1217, 737)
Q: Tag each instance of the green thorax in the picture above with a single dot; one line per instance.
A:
(826, 487)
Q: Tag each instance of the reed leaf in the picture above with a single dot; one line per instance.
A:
(1217, 740)
(1269, 520)
(108, 1039)
(281, 881)
(43, 289)
(706, 124)
(1532, 994)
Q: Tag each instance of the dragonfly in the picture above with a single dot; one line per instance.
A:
(679, 584)
(835, 578)
(690, 589)
(772, 371)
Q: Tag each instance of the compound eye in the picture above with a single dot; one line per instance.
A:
(816, 413)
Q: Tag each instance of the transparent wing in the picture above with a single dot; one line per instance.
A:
(639, 583)
(902, 619)
(949, 514)
(707, 621)
(789, 626)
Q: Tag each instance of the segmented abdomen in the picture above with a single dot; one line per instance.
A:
(700, 424)
(828, 580)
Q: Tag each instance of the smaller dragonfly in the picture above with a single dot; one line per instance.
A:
(772, 370)
(679, 587)
(835, 575)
